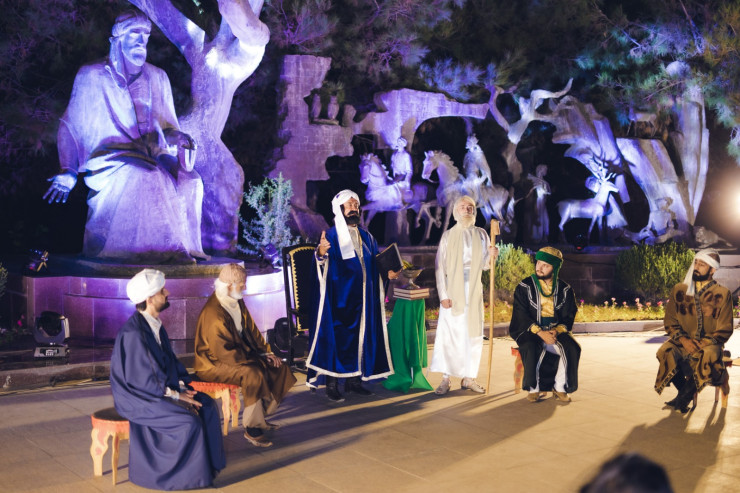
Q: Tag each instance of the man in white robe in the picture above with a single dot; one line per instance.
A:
(464, 253)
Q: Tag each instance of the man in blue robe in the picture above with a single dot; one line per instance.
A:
(175, 432)
(348, 333)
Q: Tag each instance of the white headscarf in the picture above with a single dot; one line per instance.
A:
(146, 283)
(345, 241)
(704, 256)
(465, 222)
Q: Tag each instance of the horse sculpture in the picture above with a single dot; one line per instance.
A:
(450, 185)
(492, 200)
(593, 208)
(383, 194)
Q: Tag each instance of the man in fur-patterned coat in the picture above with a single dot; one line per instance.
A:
(698, 321)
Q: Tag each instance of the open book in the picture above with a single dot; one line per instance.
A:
(389, 259)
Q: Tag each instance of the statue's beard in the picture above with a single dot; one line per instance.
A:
(352, 218)
(699, 277)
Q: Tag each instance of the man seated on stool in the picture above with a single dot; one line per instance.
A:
(175, 432)
(229, 348)
(541, 324)
(698, 321)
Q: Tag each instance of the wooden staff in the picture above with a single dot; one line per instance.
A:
(494, 232)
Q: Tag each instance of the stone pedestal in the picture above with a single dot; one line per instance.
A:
(96, 304)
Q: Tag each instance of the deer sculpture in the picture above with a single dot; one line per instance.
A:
(593, 208)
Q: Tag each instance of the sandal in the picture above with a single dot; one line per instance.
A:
(444, 387)
(470, 384)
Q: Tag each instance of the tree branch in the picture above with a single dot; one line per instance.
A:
(495, 91)
(181, 31)
(243, 21)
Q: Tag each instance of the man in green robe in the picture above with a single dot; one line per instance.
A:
(698, 321)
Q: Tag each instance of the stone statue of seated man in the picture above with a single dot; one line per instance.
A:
(120, 132)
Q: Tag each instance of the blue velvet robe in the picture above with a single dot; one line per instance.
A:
(339, 346)
(171, 447)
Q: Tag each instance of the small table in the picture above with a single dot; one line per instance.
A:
(407, 337)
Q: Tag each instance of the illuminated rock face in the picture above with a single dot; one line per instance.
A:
(313, 141)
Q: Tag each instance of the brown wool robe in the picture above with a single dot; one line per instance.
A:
(222, 355)
(681, 320)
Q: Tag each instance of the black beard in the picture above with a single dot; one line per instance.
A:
(698, 277)
(544, 278)
(352, 218)
(165, 306)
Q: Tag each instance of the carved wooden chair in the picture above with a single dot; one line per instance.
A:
(289, 338)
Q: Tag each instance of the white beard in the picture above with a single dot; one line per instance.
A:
(467, 221)
(235, 294)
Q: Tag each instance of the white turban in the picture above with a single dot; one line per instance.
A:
(345, 241)
(144, 284)
(704, 256)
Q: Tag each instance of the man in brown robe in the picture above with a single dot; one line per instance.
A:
(230, 349)
(698, 321)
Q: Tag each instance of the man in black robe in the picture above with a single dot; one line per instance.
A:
(544, 311)
(175, 432)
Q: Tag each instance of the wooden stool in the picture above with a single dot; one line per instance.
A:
(107, 423)
(727, 360)
(518, 370)
(229, 395)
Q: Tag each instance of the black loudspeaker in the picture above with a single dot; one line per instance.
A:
(279, 339)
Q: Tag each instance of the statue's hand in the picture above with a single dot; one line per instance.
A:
(185, 146)
(61, 185)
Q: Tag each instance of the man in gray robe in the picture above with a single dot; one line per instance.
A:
(121, 133)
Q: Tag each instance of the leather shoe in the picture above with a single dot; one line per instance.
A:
(332, 390)
(256, 437)
(685, 397)
(271, 426)
(533, 396)
(561, 396)
(354, 385)
(332, 393)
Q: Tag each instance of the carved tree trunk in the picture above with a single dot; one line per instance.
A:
(218, 68)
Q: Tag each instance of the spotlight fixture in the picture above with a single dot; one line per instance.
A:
(51, 332)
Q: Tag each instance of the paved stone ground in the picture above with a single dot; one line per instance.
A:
(419, 442)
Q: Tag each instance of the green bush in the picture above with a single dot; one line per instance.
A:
(513, 265)
(651, 271)
(271, 204)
